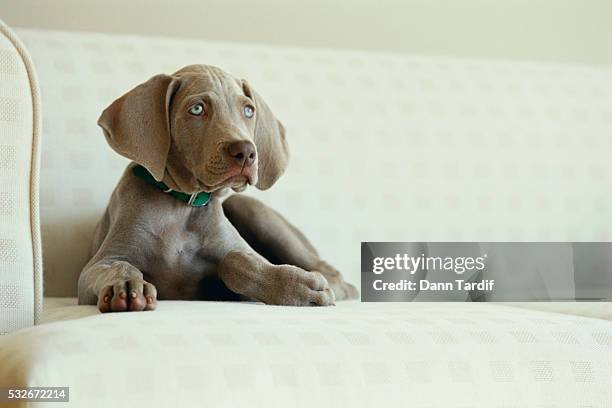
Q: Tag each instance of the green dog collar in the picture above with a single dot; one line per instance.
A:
(194, 200)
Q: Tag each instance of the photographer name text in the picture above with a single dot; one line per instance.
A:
(425, 285)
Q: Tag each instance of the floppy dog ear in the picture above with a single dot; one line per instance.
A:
(137, 125)
(270, 141)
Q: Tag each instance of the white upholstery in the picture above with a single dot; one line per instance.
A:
(420, 355)
(20, 258)
(384, 147)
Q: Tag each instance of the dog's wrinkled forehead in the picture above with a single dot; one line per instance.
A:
(202, 78)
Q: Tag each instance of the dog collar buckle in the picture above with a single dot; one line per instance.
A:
(198, 199)
(192, 199)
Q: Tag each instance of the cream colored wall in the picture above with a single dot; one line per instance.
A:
(557, 30)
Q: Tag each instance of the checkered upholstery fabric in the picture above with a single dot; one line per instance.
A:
(384, 147)
(372, 135)
(20, 259)
(418, 355)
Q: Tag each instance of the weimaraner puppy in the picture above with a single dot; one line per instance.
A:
(172, 229)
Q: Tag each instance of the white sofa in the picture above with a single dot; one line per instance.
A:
(384, 147)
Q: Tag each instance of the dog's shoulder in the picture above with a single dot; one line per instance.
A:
(135, 197)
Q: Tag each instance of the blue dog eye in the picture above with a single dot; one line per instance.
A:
(196, 110)
(249, 111)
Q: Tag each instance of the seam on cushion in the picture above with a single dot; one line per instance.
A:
(34, 170)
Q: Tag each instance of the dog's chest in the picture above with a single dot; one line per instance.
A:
(187, 248)
(182, 253)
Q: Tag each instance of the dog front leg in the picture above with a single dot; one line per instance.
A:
(250, 275)
(280, 242)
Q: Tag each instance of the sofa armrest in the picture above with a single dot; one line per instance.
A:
(20, 246)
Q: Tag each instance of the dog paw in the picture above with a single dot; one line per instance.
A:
(127, 295)
(302, 288)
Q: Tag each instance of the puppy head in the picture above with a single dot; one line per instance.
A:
(199, 129)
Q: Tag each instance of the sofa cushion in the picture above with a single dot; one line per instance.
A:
(354, 354)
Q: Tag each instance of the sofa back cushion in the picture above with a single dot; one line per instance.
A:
(383, 147)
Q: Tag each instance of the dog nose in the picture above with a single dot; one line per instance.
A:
(242, 152)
